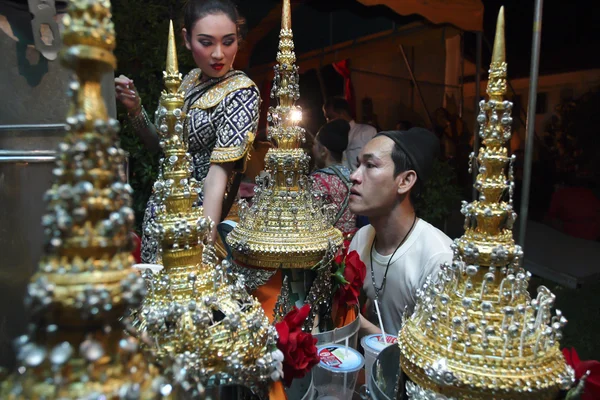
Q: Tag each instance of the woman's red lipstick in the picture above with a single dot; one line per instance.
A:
(217, 67)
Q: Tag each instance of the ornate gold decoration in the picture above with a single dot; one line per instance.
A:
(229, 154)
(76, 347)
(217, 93)
(475, 332)
(203, 329)
(285, 226)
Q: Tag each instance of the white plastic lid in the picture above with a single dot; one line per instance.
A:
(339, 358)
(155, 268)
(375, 341)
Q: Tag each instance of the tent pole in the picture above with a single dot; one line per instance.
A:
(412, 77)
(530, 123)
(479, 42)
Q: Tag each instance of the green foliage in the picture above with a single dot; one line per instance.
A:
(440, 196)
(142, 28)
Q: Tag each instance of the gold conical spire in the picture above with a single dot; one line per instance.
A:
(198, 321)
(475, 333)
(172, 64)
(499, 51)
(171, 74)
(76, 347)
(497, 85)
(285, 227)
(286, 16)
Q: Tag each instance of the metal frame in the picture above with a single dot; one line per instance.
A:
(530, 123)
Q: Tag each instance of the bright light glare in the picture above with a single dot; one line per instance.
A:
(296, 115)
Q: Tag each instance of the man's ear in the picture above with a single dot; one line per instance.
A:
(185, 39)
(407, 181)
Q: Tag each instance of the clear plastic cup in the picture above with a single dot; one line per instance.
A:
(336, 374)
(373, 344)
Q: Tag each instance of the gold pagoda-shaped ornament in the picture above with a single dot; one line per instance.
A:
(286, 226)
(475, 332)
(76, 347)
(202, 329)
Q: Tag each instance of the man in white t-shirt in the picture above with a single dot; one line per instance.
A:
(399, 249)
(359, 135)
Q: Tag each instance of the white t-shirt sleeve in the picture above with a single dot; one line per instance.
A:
(432, 266)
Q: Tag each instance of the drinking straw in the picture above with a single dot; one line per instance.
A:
(380, 322)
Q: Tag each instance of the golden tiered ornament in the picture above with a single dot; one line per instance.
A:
(76, 347)
(202, 329)
(475, 332)
(285, 226)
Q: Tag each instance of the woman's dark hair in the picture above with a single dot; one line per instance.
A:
(337, 104)
(198, 9)
(334, 137)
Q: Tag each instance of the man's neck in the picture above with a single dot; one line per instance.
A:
(392, 229)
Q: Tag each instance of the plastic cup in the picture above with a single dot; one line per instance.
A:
(336, 374)
(373, 344)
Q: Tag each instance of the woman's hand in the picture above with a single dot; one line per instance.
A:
(127, 94)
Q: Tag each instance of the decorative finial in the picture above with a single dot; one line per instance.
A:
(199, 322)
(171, 75)
(172, 64)
(285, 227)
(286, 16)
(79, 299)
(476, 326)
(497, 84)
(499, 52)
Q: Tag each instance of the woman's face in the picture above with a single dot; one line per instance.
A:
(214, 44)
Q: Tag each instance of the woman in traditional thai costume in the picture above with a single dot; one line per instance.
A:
(222, 105)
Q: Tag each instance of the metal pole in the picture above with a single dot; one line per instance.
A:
(479, 38)
(530, 123)
(412, 77)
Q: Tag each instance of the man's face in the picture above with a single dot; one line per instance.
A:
(375, 189)
(330, 114)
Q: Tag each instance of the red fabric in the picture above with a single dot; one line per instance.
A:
(298, 347)
(579, 211)
(137, 247)
(592, 384)
(343, 68)
(335, 191)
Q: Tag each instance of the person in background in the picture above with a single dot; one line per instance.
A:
(332, 178)
(360, 134)
(399, 249)
(403, 125)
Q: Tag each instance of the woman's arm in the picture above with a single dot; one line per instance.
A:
(215, 186)
(127, 94)
(366, 327)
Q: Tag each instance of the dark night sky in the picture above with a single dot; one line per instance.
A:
(570, 30)
(570, 34)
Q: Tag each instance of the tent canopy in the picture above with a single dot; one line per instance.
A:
(464, 14)
(322, 24)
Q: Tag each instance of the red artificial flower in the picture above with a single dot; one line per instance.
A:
(341, 255)
(355, 272)
(592, 384)
(299, 348)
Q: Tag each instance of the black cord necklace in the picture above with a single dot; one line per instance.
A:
(382, 287)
